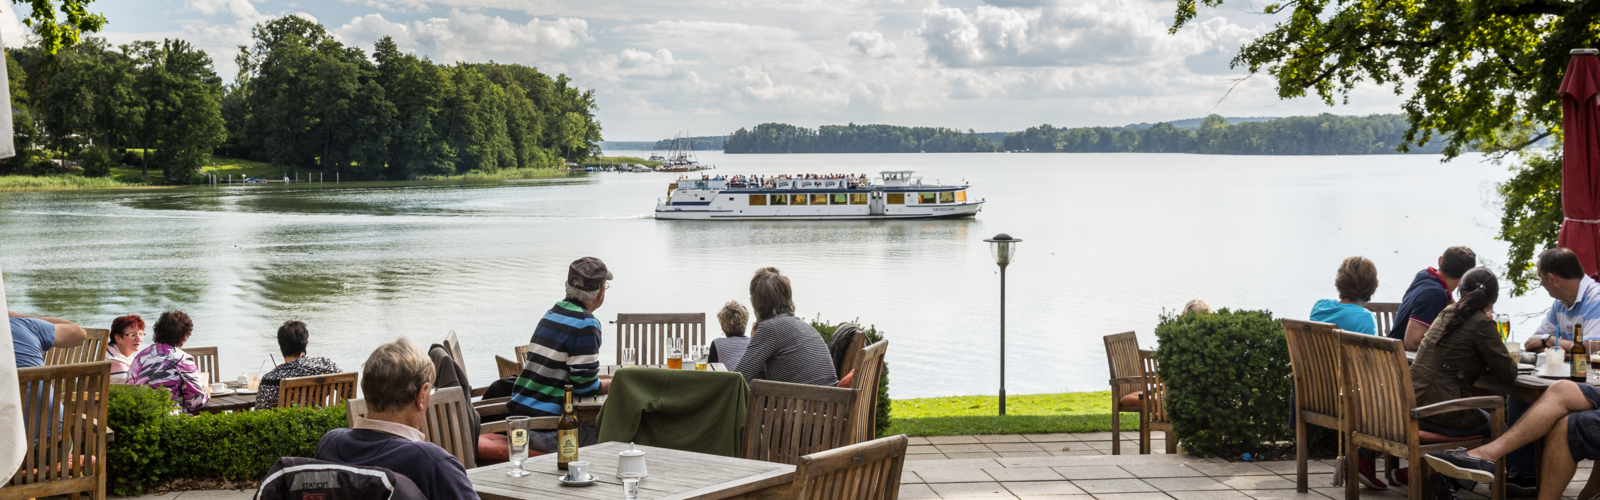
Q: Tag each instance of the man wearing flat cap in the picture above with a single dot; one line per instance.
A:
(565, 350)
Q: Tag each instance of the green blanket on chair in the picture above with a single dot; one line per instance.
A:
(699, 411)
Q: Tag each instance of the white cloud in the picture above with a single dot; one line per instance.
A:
(870, 44)
(829, 71)
(468, 36)
(1076, 34)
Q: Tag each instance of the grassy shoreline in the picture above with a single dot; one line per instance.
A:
(1025, 414)
(25, 183)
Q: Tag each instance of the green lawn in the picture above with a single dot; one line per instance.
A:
(1032, 413)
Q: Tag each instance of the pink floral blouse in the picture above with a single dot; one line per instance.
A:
(166, 367)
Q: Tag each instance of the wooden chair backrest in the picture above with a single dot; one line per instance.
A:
(445, 424)
(1314, 356)
(508, 368)
(318, 391)
(206, 359)
(852, 355)
(1155, 391)
(1378, 392)
(522, 354)
(453, 344)
(788, 420)
(869, 370)
(862, 471)
(91, 350)
(64, 415)
(1383, 315)
(1122, 355)
(648, 333)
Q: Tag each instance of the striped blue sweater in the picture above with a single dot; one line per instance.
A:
(565, 349)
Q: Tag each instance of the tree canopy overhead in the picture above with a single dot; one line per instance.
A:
(57, 33)
(1478, 73)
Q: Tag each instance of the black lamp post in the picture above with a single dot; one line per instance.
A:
(1003, 246)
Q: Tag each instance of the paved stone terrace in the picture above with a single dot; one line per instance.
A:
(1081, 467)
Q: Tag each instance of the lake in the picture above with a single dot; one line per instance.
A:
(1110, 241)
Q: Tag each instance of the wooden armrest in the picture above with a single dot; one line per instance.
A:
(493, 428)
(490, 402)
(478, 392)
(1477, 403)
(492, 410)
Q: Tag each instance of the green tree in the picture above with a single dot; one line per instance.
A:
(54, 33)
(1479, 74)
(183, 112)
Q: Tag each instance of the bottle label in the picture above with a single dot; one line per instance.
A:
(519, 437)
(1579, 368)
(568, 446)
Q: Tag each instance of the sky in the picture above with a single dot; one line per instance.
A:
(709, 67)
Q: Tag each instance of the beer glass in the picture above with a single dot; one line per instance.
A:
(518, 427)
(675, 354)
(629, 356)
(702, 353)
(1502, 322)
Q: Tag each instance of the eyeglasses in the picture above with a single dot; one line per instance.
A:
(608, 285)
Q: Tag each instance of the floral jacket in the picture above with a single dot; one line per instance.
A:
(166, 367)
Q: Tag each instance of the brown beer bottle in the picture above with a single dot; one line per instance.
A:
(1580, 353)
(567, 434)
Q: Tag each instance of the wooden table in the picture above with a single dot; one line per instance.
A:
(675, 475)
(231, 402)
(1527, 386)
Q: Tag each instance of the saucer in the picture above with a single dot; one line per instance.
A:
(223, 392)
(244, 392)
(566, 482)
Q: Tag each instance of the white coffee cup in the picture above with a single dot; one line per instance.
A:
(218, 387)
(577, 471)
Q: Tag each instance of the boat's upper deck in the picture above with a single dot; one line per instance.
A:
(900, 180)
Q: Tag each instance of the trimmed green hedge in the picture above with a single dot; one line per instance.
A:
(873, 336)
(1228, 380)
(154, 445)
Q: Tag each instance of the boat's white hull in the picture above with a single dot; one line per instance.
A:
(736, 209)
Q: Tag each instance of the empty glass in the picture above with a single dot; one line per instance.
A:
(518, 427)
(629, 356)
(630, 485)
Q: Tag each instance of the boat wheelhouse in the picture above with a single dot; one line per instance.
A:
(896, 195)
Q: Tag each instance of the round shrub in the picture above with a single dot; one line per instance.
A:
(97, 162)
(1228, 380)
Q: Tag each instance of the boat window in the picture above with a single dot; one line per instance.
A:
(897, 198)
(858, 198)
(927, 198)
(961, 196)
(758, 199)
(819, 199)
(947, 197)
(797, 199)
(780, 199)
(841, 199)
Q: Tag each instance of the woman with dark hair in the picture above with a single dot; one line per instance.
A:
(164, 365)
(292, 340)
(1460, 346)
(127, 333)
(1356, 280)
(783, 348)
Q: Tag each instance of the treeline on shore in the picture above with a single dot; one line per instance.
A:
(1302, 135)
(302, 101)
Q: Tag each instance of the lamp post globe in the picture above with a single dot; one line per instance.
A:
(1003, 247)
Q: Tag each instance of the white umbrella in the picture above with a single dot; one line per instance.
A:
(11, 425)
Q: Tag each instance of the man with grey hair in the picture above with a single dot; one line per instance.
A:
(397, 381)
(564, 350)
(783, 348)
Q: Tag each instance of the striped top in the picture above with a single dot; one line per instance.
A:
(1586, 310)
(787, 349)
(565, 349)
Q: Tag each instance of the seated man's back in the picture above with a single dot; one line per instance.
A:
(373, 443)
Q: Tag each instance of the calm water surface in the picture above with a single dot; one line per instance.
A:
(1110, 241)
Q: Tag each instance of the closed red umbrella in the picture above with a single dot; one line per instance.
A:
(1580, 166)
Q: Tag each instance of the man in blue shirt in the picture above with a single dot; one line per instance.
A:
(397, 381)
(1577, 301)
(31, 336)
(1428, 294)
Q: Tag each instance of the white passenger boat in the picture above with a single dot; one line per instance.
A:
(895, 195)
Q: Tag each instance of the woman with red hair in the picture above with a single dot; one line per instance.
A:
(127, 333)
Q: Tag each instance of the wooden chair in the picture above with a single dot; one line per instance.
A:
(446, 423)
(318, 391)
(1380, 412)
(64, 414)
(522, 353)
(863, 471)
(1383, 315)
(508, 368)
(647, 333)
(453, 344)
(852, 355)
(1154, 416)
(864, 412)
(91, 350)
(786, 421)
(206, 359)
(1314, 355)
(1127, 377)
